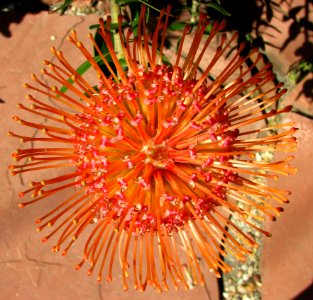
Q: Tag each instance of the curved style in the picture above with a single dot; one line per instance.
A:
(155, 156)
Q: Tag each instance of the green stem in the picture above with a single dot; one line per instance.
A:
(115, 12)
(194, 11)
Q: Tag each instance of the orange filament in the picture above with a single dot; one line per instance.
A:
(155, 157)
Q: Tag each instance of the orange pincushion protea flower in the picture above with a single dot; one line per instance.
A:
(156, 155)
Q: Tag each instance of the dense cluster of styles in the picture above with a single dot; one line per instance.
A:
(155, 156)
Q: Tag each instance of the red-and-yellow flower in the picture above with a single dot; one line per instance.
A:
(156, 155)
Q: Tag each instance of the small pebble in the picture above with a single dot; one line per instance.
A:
(245, 277)
(241, 289)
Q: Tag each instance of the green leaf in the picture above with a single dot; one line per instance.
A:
(219, 9)
(135, 22)
(80, 70)
(94, 26)
(249, 37)
(113, 26)
(165, 59)
(208, 29)
(178, 43)
(63, 7)
(123, 63)
(125, 2)
(177, 26)
(101, 44)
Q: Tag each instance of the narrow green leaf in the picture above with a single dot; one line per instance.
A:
(63, 7)
(94, 26)
(125, 2)
(208, 29)
(101, 44)
(113, 26)
(219, 9)
(80, 70)
(165, 59)
(123, 63)
(135, 22)
(177, 26)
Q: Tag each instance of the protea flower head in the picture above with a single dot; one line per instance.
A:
(156, 155)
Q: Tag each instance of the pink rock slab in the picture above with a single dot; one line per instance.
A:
(28, 269)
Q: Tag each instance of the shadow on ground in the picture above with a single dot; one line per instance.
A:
(13, 11)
